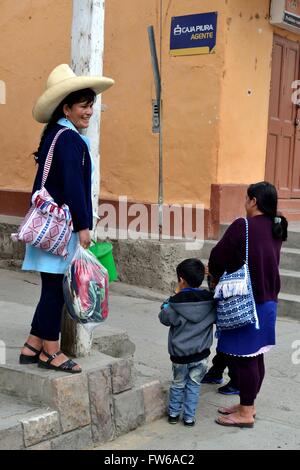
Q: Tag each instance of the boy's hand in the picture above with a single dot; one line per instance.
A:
(164, 304)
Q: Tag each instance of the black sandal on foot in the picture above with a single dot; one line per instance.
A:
(66, 366)
(25, 359)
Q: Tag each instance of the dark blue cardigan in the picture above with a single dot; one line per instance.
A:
(69, 179)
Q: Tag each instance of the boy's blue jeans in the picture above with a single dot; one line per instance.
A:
(185, 388)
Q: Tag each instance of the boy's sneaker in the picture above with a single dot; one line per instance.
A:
(173, 419)
(211, 378)
(229, 389)
(189, 422)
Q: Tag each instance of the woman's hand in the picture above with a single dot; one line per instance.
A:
(211, 281)
(84, 238)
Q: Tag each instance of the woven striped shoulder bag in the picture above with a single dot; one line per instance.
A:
(46, 225)
(235, 302)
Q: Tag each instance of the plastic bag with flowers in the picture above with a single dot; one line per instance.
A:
(85, 287)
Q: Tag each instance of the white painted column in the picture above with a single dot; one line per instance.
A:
(87, 48)
(87, 45)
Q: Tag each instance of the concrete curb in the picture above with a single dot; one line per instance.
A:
(86, 409)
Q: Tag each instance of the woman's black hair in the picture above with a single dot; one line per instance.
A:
(266, 199)
(87, 95)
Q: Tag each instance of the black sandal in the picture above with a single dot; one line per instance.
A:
(66, 366)
(25, 359)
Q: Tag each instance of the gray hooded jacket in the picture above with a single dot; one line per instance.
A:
(190, 314)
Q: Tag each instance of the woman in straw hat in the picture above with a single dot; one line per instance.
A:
(67, 102)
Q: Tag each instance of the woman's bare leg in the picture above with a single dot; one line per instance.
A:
(35, 342)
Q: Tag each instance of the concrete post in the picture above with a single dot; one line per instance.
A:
(87, 59)
(75, 339)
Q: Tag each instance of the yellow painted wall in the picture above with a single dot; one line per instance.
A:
(213, 130)
(190, 93)
(191, 97)
(34, 37)
(245, 91)
(129, 149)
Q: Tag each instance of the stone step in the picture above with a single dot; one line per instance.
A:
(13, 251)
(293, 240)
(289, 305)
(103, 402)
(206, 249)
(289, 262)
(137, 292)
(290, 281)
(144, 403)
(113, 341)
(8, 248)
(28, 426)
(151, 263)
(290, 259)
(37, 385)
(24, 425)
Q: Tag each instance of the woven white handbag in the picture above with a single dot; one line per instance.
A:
(46, 225)
(235, 301)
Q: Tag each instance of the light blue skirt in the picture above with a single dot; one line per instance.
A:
(44, 262)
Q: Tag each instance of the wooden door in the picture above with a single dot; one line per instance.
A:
(296, 162)
(283, 141)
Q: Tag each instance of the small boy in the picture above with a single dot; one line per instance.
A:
(190, 314)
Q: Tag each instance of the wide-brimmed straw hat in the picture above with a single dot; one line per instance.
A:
(61, 82)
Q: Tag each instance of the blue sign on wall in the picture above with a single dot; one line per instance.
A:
(193, 34)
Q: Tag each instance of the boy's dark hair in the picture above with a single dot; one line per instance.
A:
(192, 270)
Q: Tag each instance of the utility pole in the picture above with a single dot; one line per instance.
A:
(87, 46)
(157, 124)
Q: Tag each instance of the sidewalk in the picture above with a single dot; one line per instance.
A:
(135, 310)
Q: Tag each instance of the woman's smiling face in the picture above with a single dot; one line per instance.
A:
(79, 114)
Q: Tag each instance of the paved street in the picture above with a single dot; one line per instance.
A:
(278, 407)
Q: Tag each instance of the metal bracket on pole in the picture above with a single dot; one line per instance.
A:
(155, 117)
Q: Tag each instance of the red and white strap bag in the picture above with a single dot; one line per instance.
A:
(46, 225)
